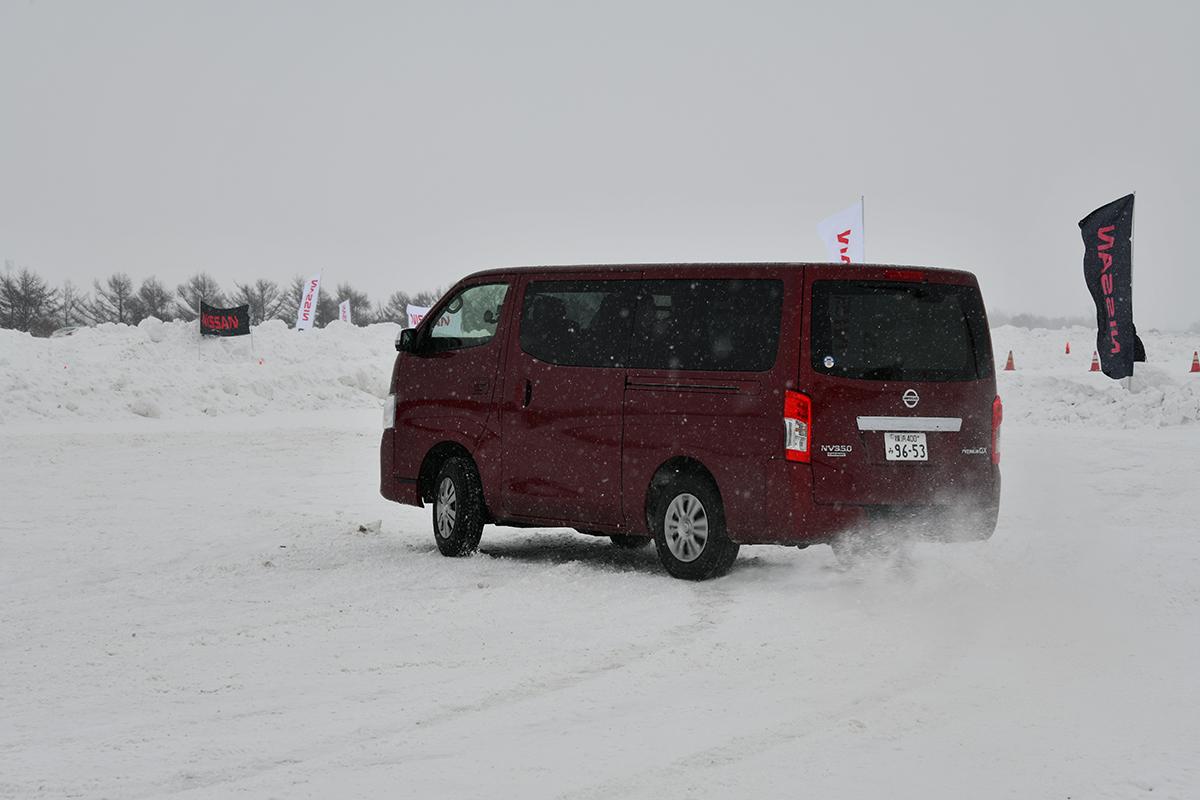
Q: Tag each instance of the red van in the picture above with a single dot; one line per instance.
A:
(705, 406)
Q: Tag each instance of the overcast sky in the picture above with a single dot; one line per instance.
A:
(402, 146)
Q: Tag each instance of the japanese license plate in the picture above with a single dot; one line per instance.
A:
(905, 447)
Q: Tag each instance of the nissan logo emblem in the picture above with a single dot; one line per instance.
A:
(911, 398)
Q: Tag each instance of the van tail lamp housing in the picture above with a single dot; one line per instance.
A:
(797, 426)
(997, 418)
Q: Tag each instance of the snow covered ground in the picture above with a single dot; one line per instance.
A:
(197, 603)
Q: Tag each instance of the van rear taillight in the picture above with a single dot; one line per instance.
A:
(997, 418)
(797, 426)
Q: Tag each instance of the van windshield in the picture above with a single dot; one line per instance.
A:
(876, 330)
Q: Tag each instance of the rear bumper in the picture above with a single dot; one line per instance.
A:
(398, 490)
(792, 518)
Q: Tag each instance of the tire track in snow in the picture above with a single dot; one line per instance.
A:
(687, 771)
(624, 658)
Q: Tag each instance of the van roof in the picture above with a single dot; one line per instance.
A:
(832, 267)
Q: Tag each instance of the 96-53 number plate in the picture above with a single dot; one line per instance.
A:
(905, 447)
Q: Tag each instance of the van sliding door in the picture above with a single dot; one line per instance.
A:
(561, 410)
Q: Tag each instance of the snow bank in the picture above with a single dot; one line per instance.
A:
(1050, 387)
(160, 370)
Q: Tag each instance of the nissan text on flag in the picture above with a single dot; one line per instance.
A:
(306, 312)
(1108, 270)
(844, 236)
(700, 406)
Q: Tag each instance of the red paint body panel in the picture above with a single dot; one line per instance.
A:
(562, 452)
(706, 417)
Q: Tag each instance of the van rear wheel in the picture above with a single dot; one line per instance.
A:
(457, 507)
(689, 530)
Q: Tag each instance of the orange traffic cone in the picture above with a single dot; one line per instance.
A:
(1008, 366)
(1095, 362)
(1068, 350)
(1195, 361)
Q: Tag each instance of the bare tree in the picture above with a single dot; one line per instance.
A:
(70, 306)
(265, 299)
(27, 303)
(395, 309)
(327, 309)
(153, 299)
(113, 300)
(200, 286)
(294, 294)
(427, 297)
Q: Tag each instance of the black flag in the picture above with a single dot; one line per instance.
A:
(1108, 270)
(224, 321)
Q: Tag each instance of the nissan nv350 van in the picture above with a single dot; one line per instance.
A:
(701, 406)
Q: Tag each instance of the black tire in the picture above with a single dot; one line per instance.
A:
(629, 542)
(458, 511)
(689, 530)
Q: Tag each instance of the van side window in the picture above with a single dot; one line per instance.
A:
(468, 320)
(577, 323)
(721, 325)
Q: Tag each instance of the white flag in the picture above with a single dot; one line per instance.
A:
(415, 314)
(344, 312)
(843, 235)
(451, 322)
(306, 314)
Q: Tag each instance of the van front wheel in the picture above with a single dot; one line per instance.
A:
(457, 508)
(689, 530)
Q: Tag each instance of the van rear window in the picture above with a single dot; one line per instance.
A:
(899, 331)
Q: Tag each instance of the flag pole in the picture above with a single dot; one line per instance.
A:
(1133, 227)
(862, 205)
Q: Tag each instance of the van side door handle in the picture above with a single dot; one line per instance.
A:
(479, 386)
(528, 394)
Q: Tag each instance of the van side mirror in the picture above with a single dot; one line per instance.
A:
(406, 342)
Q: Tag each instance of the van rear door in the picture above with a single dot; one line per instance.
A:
(898, 363)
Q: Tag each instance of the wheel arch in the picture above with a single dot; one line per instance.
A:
(432, 464)
(685, 466)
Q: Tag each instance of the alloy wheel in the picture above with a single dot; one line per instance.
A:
(686, 527)
(447, 508)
